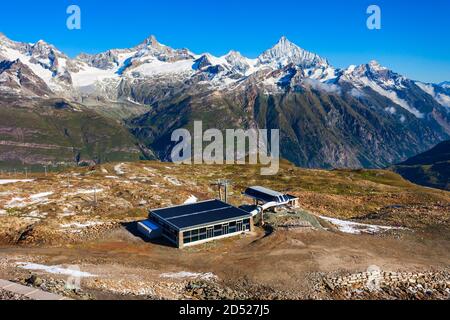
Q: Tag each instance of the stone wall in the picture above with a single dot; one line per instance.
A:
(383, 284)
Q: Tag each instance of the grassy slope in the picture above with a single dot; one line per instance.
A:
(61, 133)
(373, 196)
(431, 168)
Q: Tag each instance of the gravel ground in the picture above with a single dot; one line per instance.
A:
(6, 295)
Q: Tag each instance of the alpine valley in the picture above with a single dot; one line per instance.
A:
(124, 104)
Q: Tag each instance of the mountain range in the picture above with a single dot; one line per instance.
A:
(123, 104)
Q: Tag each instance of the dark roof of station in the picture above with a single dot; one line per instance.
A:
(200, 214)
(268, 195)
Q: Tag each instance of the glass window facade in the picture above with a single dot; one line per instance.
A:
(217, 230)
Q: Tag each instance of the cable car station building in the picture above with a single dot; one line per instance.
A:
(270, 198)
(201, 222)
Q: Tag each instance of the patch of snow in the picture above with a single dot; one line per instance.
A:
(37, 215)
(149, 169)
(8, 181)
(191, 199)
(18, 202)
(88, 76)
(112, 177)
(357, 228)
(41, 195)
(194, 275)
(81, 225)
(157, 67)
(119, 169)
(173, 181)
(391, 95)
(84, 191)
(54, 270)
(67, 212)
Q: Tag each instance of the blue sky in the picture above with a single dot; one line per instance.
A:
(414, 39)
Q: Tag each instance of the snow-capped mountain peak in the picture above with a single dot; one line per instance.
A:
(285, 52)
(206, 60)
(151, 42)
(153, 49)
(235, 57)
(6, 43)
(43, 59)
(382, 81)
(17, 77)
(43, 50)
(374, 65)
(239, 63)
(374, 71)
(41, 43)
(371, 69)
(283, 66)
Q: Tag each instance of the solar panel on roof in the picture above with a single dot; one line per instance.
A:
(209, 217)
(171, 212)
(199, 214)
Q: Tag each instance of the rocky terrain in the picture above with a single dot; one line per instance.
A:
(390, 285)
(6, 295)
(349, 221)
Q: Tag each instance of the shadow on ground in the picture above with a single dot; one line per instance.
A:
(132, 228)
